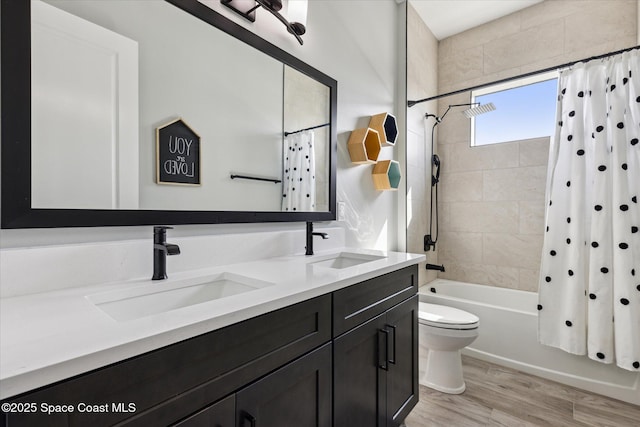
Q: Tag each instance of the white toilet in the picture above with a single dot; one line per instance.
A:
(443, 332)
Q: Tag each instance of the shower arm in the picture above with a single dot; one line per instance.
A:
(439, 119)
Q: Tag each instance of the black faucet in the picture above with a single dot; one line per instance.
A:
(310, 234)
(160, 251)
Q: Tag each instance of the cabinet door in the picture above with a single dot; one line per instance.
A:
(359, 377)
(298, 394)
(402, 376)
(220, 414)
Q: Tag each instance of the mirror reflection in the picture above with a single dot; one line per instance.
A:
(139, 105)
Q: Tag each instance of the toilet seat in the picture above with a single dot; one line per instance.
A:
(440, 316)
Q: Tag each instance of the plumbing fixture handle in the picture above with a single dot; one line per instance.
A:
(435, 178)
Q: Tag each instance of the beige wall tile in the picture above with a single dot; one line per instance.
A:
(614, 20)
(462, 157)
(479, 80)
(484, 217)
(460, 67)
(528, 280)
(524, 183)
(460, 247)
(455, 127)
(525, 47)
(482, 34)
(542, 13)
(512, 250)
(461, 186)
(444, 215)
(534, 152)
(422, 77)
(531, 217)
(444, 152)
(483, 274)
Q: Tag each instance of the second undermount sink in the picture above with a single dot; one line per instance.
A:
(160, 297)
(346, 259)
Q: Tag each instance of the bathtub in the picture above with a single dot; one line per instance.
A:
(508, 337)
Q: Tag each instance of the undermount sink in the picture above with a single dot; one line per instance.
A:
(346, 259)
(160, 297)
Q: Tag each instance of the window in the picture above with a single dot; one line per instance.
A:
(525, 109)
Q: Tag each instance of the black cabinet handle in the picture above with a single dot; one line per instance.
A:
(392, 345)
(383, 349)
(248, 417)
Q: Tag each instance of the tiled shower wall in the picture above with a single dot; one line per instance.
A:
(491, 198)
(422, 82)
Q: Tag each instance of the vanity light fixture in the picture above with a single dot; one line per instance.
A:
(296, 11)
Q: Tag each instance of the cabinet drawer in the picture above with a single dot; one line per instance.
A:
(170, 383)
(360, 302)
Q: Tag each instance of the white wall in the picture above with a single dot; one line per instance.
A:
(355, 45)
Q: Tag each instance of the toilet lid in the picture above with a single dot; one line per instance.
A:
(446, 317)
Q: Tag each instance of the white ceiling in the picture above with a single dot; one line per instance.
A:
(448, 17)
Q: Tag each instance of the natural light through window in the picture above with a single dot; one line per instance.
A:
(525, 109)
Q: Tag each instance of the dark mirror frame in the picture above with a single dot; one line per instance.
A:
(16, 135)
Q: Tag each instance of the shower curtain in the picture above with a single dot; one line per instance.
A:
(299, 183)
(589, 291)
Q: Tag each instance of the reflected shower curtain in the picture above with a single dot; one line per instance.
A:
(299, 177)
(589, 291)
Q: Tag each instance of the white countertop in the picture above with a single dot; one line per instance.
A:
(51, 336)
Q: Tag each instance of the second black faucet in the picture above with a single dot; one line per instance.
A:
(160, 251)
(310, 234)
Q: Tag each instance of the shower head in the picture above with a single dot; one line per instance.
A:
(479, 109)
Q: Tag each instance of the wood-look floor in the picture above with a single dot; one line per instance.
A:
(499, 396)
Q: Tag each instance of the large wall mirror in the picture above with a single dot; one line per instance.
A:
(146, 112)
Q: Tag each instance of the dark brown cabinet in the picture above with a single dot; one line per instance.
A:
(402, 372)
(376, 369)
(348, 358)
(298, 394)
(359, 382)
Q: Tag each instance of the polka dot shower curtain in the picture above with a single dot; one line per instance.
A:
(589, 292)
(299, 183)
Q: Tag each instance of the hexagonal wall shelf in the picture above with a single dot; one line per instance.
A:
(364, 146)
(386, 175)
(386, 126)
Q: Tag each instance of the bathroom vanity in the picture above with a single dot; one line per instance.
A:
(344, 354)
(290, 341)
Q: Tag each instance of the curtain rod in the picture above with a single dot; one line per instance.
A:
(521, 76)
(302, 130)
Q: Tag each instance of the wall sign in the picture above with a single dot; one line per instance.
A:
(177, 154)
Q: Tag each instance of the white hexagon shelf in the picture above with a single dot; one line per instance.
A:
(386, 175)
(364, 146)
(387, 127)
